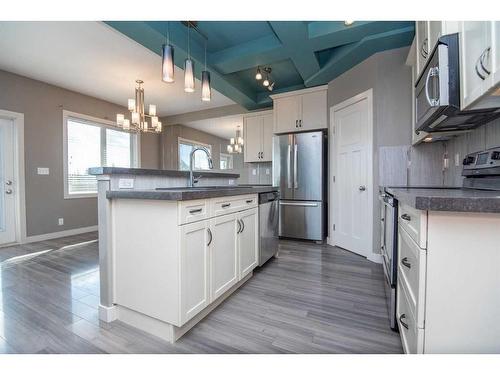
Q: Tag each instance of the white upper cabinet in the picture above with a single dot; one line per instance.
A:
(300, 110)
(495, 53)
(422, 38)
(258, 134)
(475, 60)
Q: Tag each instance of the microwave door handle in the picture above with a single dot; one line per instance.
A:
(431, 73)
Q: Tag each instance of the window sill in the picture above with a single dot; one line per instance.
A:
(79, 196)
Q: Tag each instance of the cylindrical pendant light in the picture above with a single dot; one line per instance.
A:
(206, 91)
(189, 68)
(167, 59)
(189, 75)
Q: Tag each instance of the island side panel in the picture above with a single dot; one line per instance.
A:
(463, 283)
(146, 253)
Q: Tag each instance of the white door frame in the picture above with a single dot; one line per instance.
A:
(368, 95)
(18, 131)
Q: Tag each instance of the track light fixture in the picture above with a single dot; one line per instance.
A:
(267, 82)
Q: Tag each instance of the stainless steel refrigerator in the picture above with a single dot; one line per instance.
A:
(302, 171)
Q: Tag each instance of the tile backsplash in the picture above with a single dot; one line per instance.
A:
(426, 164)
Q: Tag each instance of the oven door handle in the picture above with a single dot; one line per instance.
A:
(433, 72)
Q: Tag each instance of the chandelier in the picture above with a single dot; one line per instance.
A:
(139, 120)
(236, 143)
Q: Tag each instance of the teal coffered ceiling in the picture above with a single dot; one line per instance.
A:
(301, 54)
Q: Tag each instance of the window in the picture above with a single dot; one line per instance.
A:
(226, 161)
(93, 143)
(200, 158)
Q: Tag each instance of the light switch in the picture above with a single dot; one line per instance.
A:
(60, 221)
(126, 183)
(254, 171)
(457, 160)
(268, 171)
(42, 171)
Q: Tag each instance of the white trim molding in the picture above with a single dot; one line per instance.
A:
(18, 122)
(64, 233)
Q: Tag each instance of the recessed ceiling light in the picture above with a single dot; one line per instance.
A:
(348, 23)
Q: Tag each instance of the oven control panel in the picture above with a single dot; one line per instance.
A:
(485, 162)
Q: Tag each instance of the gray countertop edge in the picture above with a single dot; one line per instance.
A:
(156, 172)
(181, 195)
(418, 200)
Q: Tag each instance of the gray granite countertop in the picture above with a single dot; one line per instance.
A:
(448, 199)
(158, 172)
(185, 193)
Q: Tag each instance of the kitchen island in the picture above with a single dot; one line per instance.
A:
(170, 255)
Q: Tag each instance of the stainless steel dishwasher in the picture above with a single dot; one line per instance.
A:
(268, 226)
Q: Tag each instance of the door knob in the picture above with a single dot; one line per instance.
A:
(8, 191)
(362, 188)
(8, 182)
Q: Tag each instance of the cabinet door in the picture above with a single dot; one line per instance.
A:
(495, 73)
(253, 138)
(286, 114)
(248, 241)
(223, 255)
(475, 39)
(194, 292)
(267, 138)
(313, 111)
(435, 29)
(422, 45)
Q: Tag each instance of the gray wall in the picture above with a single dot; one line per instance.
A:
(389, 77)
(42, 105)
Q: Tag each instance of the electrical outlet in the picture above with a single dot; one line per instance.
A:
(60, 221)
(254, 171)
(268, 171)
(126, 183)
(231, 182)
(43, 171)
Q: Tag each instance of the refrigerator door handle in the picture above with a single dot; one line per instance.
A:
(295, 170)
(289, 167)
(298, 204)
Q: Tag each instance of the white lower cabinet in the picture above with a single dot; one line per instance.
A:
(194, 256)
(248, 242)
(223, 254)
(447, 293)
(181, 259)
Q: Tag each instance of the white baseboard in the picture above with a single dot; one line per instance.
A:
(64, 233)
(376, 258)
(108, 314)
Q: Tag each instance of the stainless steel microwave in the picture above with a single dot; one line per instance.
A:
(437, 93)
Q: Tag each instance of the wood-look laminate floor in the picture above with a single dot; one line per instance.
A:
(312, 299)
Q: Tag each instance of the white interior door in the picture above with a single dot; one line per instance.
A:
(352, 191)
(7, 185)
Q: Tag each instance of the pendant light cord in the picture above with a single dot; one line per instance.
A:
(205, 54)
(189, 44)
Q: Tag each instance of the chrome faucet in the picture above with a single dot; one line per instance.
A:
(191, 162)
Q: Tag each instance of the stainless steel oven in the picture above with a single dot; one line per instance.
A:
(389, 251)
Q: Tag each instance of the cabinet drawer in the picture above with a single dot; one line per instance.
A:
(415, 223)
(412, 337)
(227, 205)
(193, 210)
(411, 273)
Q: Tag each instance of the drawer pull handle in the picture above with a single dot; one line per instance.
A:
(210, 234)
(405, 262)
(406, 217)
(198, 210)
(401, 317)
(226, 205)
(250, 201)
